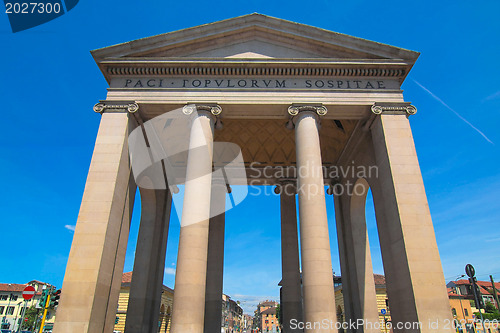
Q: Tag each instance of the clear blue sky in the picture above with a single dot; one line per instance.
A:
(49, 83)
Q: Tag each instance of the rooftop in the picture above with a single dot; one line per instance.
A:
(12, 287)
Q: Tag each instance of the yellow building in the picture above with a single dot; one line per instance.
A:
(12, 304)
(167, 298)
(463, 310)
(382, 299)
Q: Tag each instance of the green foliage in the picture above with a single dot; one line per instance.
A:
(489, 316)
(490, 308)
(279, 314)
(491, 312)
(31, 315)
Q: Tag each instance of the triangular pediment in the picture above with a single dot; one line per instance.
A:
(253, 49)
(255, 36)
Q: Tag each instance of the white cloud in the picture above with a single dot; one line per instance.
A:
(170, 271)
(249, 302)
(70, 227)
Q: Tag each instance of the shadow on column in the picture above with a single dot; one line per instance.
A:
(291, 300)
(147, 278)
(215, 258)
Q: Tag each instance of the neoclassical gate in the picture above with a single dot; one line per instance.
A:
(290, 105)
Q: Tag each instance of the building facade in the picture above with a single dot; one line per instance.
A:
(383, 308)
(464, 309)
(464, 288)
(13, 305)
(232, 319)
(165, 311)
(265, 317)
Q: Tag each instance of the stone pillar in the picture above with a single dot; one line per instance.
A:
(290, 267)
(215, 262)
(149, 265)
(190, 279)
(358, 285)
(95, 265)
(414, 275)
(317, 275)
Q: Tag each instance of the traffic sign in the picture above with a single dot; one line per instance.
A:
(469, 269)
(28, 293)
(383, 311)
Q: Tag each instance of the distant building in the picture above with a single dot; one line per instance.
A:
(381, 293)
(265, 319)
(463, 307)
(464, 288)
(232, 316)
(167, 298)
(12, 304)
(247, 322)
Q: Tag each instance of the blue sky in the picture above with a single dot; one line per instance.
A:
(49, 83)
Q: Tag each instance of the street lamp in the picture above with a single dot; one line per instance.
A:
(460, 300)
(15, 320)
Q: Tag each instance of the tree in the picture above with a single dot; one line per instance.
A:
(31, 314)
(490, 308)
(491, 312)
(279, 314)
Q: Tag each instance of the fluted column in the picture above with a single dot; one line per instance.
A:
(290, 267)
(317, 276)
(190, 278)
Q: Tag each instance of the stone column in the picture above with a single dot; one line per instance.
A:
(414, 275)
(358, 285)
(317, 275)
(290, 266)
(149, 265)
(95, 264)
(215, 262)
(190, 279)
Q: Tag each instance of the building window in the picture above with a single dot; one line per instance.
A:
(3, 297)
(466, 312)
(10, 310)
(13, 297)
(1, 309)
(454, 312)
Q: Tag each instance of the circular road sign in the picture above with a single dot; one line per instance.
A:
(383, 311)
(28, 293)
(469, 269)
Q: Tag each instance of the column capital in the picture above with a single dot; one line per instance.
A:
(116, 106)
(331, 187)
(295, 109)
(213, 110)
(313, 110)
(394, 108)
(289, 186)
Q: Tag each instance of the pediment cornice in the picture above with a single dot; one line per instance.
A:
(298, 50)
